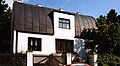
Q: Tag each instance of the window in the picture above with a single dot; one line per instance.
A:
(64, 45)
(34, 44)
(64, 23)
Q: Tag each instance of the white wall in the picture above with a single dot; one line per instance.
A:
(64, 33)
(48, 43)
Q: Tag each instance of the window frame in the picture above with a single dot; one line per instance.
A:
(32, 45)
(64, 23)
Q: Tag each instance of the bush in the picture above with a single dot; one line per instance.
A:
(108, 59)
(7, 59)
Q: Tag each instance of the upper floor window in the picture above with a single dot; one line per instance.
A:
(34, 44)
(64, 23)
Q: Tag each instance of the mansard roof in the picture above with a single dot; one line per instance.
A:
(35, 19)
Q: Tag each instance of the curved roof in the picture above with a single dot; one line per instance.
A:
(31, 18)
(81, 22)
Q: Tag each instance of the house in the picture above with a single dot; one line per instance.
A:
(44, 30)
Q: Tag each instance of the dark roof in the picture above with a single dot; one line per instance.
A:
(31, 18)
(81, 22)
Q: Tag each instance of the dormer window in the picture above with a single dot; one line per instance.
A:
(64, 23)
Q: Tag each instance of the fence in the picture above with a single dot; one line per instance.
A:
(12, 60)
(49, 60)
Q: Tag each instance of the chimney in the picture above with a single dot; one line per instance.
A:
(78, 13)
(40, 5)
(18, 0)
(61, 9)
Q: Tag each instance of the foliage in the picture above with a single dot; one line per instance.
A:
(7, 59)
(5, 18)
(105, 39)
(108, 59)
(109, 28)
(91, 40)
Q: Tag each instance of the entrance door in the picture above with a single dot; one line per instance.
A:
(64, 46)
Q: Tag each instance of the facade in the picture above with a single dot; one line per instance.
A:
(45, 30)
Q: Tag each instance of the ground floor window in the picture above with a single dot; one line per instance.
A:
(64, 46)
(34, 44)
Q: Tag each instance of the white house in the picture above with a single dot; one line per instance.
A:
(46, 30)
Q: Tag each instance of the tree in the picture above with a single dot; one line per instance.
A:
(5, 19)
(105, 39)
(109, 27)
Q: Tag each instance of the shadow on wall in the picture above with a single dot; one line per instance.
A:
(79, 47)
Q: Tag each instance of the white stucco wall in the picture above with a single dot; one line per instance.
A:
(48, 43)
(61, 33)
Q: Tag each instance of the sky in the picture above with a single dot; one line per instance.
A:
(93, 8)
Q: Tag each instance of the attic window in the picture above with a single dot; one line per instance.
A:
(64, 23)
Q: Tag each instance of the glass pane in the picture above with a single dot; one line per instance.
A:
(38, 44)
(67, 21)
(60, 20)
(31, 42)
(67, 26)
(36, 48)
(64, 21)
(64, 26)
(35, 42)
(60, 25)
(33, 47)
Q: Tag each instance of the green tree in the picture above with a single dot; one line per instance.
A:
(5, 19)
(109, 27)
(105, 39)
